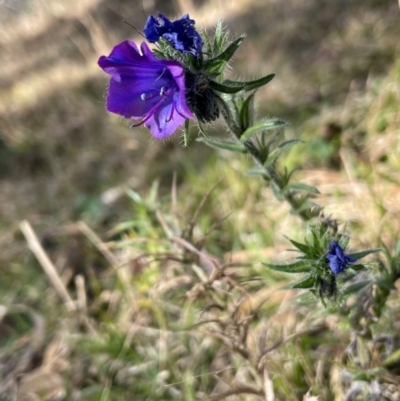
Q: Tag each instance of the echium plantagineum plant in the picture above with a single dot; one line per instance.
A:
(183, 79)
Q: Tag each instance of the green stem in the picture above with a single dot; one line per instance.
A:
(274, 176)
(276, 179)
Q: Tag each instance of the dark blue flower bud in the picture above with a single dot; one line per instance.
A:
(181, 33)
(337, 260)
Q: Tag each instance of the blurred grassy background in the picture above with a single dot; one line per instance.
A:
(60, 150)
(63, 158)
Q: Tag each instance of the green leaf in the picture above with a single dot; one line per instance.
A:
(266, 125)
(344, 241)
(124, 226)
(307, 282)
(353, 288)
(217, 143)
(219, 38)
(218, 33)
(217, 64)
(207, 42)
(153, 193)
(358, 267)
(368, 375)
(296, 267)
(385, 283)
(250, 85)
(234, 84)
(299, 186)
(288, 174)
(257, 171)
(134, 196)
(247, 113)
(185, 135)
(273, 156)
(362, 254)
(220, 87)
(302, 247)
(393, 359)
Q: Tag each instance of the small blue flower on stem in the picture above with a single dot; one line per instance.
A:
(144, 87)
(338, 261)
(180, 33)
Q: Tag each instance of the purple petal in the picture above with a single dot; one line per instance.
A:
(338, 261)
(349, 259)
(146, 88)
(340, 254)
(335, 265)
(167, 119)
(125, 98)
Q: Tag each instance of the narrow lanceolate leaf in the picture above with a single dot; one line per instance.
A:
(258, 83)
(393, 359)
(357, 268)
(299, 186)
(273, 156)
(385, 283)
(219, 37)
(266, 125)
(217, 64)
(362, 254)
(217, 143)
(307, 282)
(207, 41)
(353, 288)
(257, 172)
(301, 247)
(220, 87)
(296, 267)
(369, 375)
(185, 135)
(250, 85)
(247, 113)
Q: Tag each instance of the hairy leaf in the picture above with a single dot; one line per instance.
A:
(273, 156)
(353, 288)
(217, 64)
(307, 282)
(362, 254)
(299, 186)
(296, 267)
(265, 125)
(247, 113)
(217, 143)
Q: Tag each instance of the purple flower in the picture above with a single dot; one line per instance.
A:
(338, 261)
(180, 33)
(144, 87)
